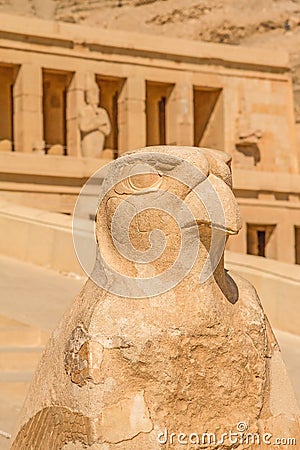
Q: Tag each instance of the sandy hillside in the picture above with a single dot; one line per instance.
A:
(264, 23)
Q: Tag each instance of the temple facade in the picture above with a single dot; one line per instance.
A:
(149, 91)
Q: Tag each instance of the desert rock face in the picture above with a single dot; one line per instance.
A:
(133, 362)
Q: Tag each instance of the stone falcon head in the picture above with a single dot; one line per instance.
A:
(164, 207)
(194, 354)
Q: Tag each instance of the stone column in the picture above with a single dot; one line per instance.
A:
(285, 237)
(28, 108)
(132, 116)
(75, 102)
(180, 115)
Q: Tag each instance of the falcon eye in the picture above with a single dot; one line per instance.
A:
(144, 181)
(144, 177)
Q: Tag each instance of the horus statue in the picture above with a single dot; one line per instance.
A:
(163, 346)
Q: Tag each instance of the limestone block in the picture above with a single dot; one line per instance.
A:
(28, 81)
(28, 117)
(75, 94)
(180, 115)
(28, 102)
(131, 110)
(75, 102)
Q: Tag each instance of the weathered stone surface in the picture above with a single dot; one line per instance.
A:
(83, 358)
(125, 420)
(199, 357)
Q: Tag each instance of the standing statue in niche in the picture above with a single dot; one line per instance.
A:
(94, 123)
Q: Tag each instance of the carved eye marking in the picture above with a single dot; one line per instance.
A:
(143, 176)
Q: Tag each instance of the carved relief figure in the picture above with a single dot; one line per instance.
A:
(94, 122)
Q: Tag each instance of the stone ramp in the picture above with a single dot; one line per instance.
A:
(32, 301)
(290, 348)
(13, 389)
(21, 346)
(20, 335)
(35, 295)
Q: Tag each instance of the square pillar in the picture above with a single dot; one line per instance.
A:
(28, 108)
(75, 102)
(180, 115)
(286, 238)
(132, 115)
